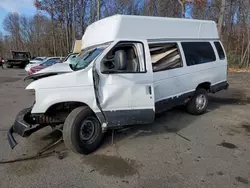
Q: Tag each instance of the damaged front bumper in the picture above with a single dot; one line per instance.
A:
(23, 126)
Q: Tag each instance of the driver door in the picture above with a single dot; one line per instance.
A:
(126, 92)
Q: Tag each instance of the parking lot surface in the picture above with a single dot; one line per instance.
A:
(178, 150)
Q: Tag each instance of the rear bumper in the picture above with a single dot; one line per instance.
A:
(22, 127)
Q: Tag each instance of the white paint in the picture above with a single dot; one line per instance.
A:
(76, 87)
(143, 28)
(130, 91)
(57, 68)
(174, 82)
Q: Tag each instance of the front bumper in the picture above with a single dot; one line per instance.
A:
(22, 126)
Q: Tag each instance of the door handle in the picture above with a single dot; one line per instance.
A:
(148, 90)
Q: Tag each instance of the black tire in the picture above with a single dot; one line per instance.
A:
(192, 107)
(73, 136)
(9, 66)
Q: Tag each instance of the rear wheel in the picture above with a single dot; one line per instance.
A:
(198, 103)
(9, 66)
(82, 131)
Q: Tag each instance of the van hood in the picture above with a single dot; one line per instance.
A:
(67, 80)
(59, 68)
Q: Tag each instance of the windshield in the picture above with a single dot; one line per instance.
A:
(86, 57)
(38, 59)
(50, 62)
(69, 57)
(20, 55)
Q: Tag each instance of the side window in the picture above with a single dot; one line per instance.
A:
(124, 58)
(198, 52)
(220, 50)
(165, 56)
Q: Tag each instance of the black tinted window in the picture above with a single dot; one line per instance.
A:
(219, 50)
(198, 52)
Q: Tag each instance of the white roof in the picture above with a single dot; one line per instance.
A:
(145, 27)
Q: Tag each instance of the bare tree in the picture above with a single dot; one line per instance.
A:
(54, 35)
(221, 16)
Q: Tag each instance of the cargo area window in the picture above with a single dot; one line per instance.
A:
(165, 56)
(198, 52)
(125, 57)
(220, 50)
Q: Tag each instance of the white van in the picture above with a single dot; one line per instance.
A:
(130, 68)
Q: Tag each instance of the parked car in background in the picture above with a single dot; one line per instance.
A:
(58, 68)
(46, 63)
(34, 62)
(20, 59)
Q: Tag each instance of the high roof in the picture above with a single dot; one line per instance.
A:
(145, 27)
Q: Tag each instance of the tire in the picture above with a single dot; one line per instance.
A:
(75, 139)
(9, 66)
(197, 109)
(22, 66)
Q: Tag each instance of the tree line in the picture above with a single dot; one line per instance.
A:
(57, 23)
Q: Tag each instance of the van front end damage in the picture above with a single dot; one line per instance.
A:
(25, 124)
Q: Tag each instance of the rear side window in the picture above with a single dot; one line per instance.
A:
(220, 50)
(198, 52)
(165, 56)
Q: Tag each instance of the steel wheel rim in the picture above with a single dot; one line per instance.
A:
(87, 129)
(201, 102)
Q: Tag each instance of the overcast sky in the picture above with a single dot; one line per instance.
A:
(24, 7)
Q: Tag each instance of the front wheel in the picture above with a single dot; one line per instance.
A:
(82, 131)
(9, 66)
(198, 103)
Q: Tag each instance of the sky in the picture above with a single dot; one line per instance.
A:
(24, 7)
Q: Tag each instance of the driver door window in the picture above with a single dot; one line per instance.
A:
(125, 58)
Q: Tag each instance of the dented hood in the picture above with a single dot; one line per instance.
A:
(59, 68)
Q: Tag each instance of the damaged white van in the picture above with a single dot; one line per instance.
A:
(129, 69)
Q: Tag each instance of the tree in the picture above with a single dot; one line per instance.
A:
(221, 16)
(11, 24)
(67, 21)
(183, 4)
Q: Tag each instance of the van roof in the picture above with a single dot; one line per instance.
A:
(145, 28)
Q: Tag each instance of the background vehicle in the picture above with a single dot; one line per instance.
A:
(20, 59)
(46, 63)
(34, 62)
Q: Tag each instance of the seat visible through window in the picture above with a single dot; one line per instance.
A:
(132, 61)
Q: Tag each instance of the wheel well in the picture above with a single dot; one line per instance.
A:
(64, 107)
(205, 85)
